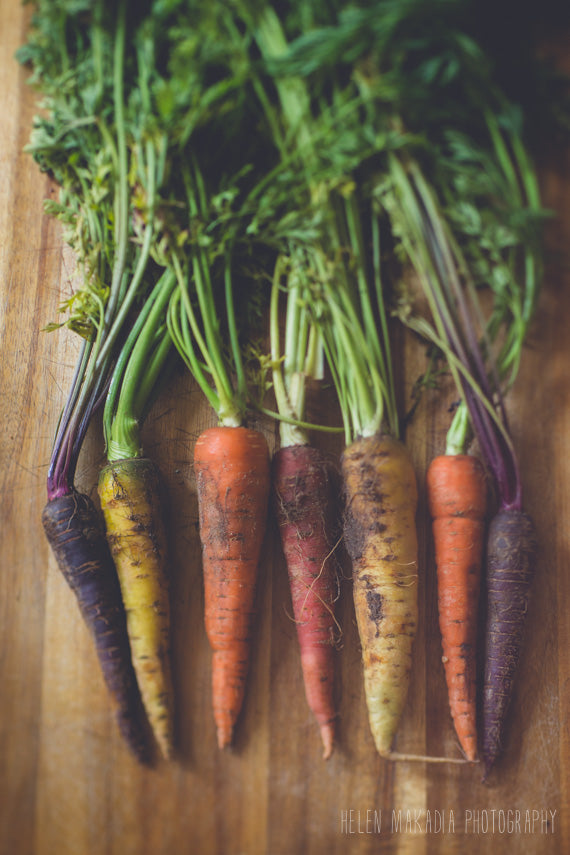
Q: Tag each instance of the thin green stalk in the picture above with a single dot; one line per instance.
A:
(296, 423)
(222, 399)
(292, 91)
(392, 408)
(459, 431)
(356, 243)
(188, 310)
(122, 204)
(291, 430)
(152, 374)
(294, 318)
(211, 342)
(138, 378)
(126, 304)
(237, 359)
(366, 388)
(460, 370)
(279, 389)
(178, 325)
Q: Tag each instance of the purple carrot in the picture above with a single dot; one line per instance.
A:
(77, 538)
(510, 566)
(306, 513)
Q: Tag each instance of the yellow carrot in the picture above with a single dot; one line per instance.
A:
(130, 500)
(380, 536)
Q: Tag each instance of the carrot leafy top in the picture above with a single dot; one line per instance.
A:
(430, 167)
(320, 142)
(123, 122)
(95, 136)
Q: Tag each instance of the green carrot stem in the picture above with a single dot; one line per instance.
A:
(237, 359)
(179, 328)
(185, 330)
(210, 342)
(122, 199)
(459, 431)
(305, 426)
(132, 291)
(155, 365)
(391, 405)
(137, 378)
(290, 429)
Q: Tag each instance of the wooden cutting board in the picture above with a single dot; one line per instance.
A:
(67, 783)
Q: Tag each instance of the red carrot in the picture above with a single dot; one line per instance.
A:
(305, 509)
(77, 538)
(457, 497)
(232, 475)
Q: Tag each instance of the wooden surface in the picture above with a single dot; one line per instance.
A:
(67, 783)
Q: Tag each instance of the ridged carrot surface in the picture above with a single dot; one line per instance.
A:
(511, 556)
(380, 536)
(306, 512)
(457, 494)
(232, 477)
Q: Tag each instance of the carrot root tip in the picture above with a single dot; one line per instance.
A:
(327, 736)
(225, 737)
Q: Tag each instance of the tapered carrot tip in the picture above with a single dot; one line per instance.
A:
(225, 736)
(166, 746)
(327, 735)
(470, 752)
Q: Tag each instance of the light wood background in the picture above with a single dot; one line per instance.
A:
(67, 783)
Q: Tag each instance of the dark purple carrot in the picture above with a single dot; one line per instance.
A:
(306, 512)
(77, 538)
(510, 567)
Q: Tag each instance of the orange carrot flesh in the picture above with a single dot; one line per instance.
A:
(232, 476)
(457, 493)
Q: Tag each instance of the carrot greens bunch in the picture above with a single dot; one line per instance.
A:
(198, 146)
(95, 137)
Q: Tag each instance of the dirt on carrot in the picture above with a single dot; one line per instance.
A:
(130, 496)
(380, 536)
(306, 512)
(232, 477)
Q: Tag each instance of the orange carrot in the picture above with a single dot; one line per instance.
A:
(232, 475)
(457, 494)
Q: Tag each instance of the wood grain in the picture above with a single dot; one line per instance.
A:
(68, 784)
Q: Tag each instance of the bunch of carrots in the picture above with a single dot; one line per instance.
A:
(202, 152)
